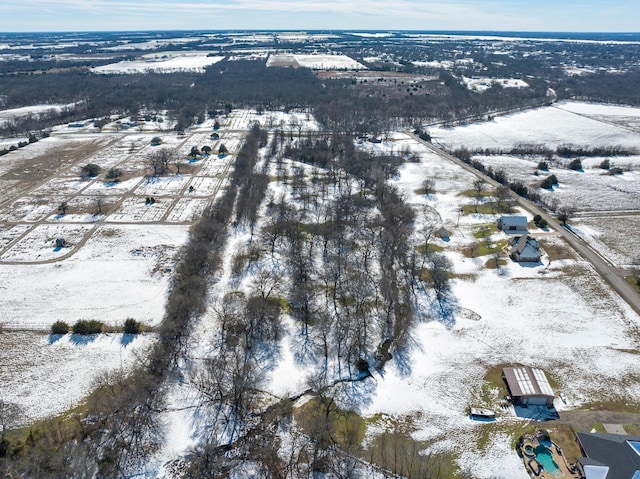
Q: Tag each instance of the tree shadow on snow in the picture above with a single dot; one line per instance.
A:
(444, 310)
(267, 355)
(126, 339)
(304, 348)
(54, 338)
(83, 339)
(355, 395)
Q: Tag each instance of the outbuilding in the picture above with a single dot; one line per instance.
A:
(512, 223)
(528, 386)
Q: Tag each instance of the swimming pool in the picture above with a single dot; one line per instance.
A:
(545, 458)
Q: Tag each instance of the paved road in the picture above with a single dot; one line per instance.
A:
(603, 267)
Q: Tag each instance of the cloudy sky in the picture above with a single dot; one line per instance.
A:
(505, 15)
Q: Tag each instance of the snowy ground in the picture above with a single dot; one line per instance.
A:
(558, 316)
(185, 63)
(115, 265)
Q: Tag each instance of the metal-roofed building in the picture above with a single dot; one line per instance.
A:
(512, 223)
(528, 385)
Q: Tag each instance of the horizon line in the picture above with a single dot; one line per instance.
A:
(334, 30)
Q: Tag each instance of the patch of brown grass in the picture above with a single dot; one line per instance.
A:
(557, 251)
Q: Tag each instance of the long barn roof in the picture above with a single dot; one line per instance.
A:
(527, 381)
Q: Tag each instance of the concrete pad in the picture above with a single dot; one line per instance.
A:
(614, 428)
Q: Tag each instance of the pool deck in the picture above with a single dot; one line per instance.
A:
(535, 469)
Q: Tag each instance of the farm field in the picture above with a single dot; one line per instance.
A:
(165, 64)
(120, 250)
(116, 263)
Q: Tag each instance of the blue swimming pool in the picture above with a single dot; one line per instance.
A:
(545, 459)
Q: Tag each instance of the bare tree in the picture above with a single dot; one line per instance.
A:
(98, 205)
(504, 199)
(428, 186)
(158, 163)
(565, 213)
(10, 416)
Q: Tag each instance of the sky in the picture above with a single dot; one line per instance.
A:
(499, 15)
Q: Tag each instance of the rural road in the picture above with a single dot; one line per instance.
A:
(607, 271)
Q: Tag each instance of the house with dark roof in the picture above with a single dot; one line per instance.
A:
(525, 249)
(609, 456)
(528, 386)
(512, 223)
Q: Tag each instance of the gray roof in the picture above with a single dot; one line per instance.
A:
(522, 243)
(620, 452)
(520, 221)
(527, 247)
(527, 381)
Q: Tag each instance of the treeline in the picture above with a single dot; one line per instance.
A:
(619, 87)
(537, 150)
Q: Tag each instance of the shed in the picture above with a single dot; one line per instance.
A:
(525, 249)
(512, 223)
(61, 242)
(444, 234)
(528, 386)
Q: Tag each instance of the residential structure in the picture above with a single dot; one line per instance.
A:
(609, 456)
(524, 249)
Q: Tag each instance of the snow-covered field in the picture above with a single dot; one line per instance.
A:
(48, 375)
(118, 273)
(186, 63)
(481, 84)
(551, 126)
(35, 110)
(315, 61)
(328, 62)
